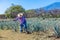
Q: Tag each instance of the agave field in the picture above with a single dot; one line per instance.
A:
(33, 24)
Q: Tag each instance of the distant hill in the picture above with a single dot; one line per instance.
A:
(55, 5)
(52, 6)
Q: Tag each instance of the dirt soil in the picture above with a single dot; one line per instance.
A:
(11, 35)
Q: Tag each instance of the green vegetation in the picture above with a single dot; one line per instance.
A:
(9, 25)
(34, 24)
(12, 11)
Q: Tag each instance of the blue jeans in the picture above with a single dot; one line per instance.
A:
(23, 26)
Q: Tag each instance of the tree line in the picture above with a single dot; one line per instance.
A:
(13, 10)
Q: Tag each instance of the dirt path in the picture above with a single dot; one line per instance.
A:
(10, 35)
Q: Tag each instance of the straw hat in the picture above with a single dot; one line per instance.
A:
(20, 14)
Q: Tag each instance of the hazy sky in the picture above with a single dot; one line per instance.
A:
(27, 4)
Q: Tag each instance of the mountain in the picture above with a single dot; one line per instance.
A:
(52, 6)
(55, 5)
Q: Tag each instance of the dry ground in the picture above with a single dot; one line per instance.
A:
(11, 35)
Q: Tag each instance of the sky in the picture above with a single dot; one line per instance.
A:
(27, 4)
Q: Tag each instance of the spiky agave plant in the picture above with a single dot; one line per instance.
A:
(57, 30)
(9, 25)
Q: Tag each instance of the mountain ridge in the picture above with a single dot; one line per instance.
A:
(52, 6)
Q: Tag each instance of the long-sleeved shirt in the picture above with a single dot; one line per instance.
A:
(22, 19)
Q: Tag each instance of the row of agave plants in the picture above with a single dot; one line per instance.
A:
(35, 25)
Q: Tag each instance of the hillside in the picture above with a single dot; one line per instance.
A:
(53, 8)
(55, 5)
